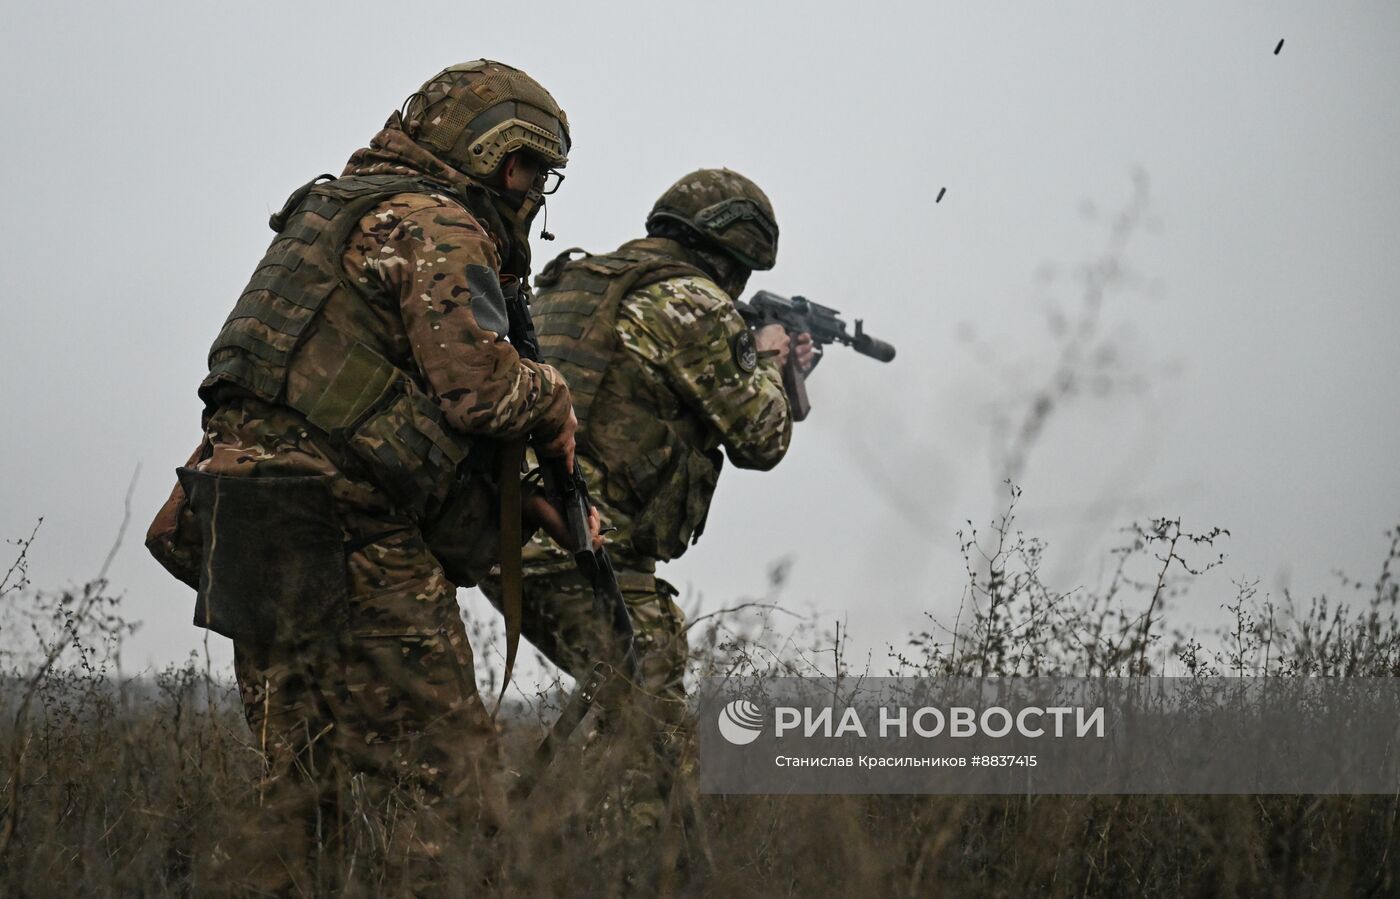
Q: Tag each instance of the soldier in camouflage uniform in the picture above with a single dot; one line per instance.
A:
(356, 399)
(665, 374)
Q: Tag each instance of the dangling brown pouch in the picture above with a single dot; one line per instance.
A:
(272, 566)
(173, 537)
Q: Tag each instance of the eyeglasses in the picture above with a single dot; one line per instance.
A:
(550, 181)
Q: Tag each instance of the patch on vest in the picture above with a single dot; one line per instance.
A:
(745, 352)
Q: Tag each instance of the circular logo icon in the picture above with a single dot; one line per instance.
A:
(745, 351)
(740, 722)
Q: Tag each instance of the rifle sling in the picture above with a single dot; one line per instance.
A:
(512, 573)
(601, 679)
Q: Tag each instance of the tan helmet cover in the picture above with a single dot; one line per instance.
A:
(475, 114)
(727, 208)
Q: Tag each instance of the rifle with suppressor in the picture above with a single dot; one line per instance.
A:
(798, 315)
(567, 490)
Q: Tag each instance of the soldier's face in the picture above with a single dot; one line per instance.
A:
(737, 281)
(520, 172)
(730, 274)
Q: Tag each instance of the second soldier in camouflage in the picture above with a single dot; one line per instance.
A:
(666, 380)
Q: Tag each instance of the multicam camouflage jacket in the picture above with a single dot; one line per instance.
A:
(416, 310)
(671, 378)
(369, 345)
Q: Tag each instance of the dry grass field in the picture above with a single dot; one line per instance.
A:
(142, 787)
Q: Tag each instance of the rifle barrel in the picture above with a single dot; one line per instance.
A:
(873, 347)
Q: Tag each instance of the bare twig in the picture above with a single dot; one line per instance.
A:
(770, 606)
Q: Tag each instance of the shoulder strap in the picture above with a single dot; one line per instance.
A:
(549, 276)
(291, 284)
(576, 313)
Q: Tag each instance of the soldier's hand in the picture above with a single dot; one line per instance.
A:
(805, 352)
(773, 339)
(595, 527)
(541, 513)
(562, 443)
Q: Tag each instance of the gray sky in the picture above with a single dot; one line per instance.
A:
(146, 144)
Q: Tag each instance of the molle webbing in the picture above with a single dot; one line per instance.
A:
(576, 311)
(289, 288)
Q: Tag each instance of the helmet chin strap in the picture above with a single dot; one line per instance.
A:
(516, 214)
(522, 215)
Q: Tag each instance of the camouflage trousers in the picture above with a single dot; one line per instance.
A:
(361, 696)
(377, 721)
(560, 620)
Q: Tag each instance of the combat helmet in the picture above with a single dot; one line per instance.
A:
(727, 209)
(475, 114)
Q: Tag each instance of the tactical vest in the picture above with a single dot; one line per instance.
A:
(654, 467)
(303, 336)
(576, 310)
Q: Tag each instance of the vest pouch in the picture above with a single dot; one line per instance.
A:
(407, 449)
(173, 537)
(273, 560)
(395, 432)
(705, 469)
(464, 532)
(674, 509)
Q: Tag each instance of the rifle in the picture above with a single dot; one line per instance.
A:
(800, 315)
(568, 490)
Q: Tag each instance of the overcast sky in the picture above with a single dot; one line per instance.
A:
(146, 144)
